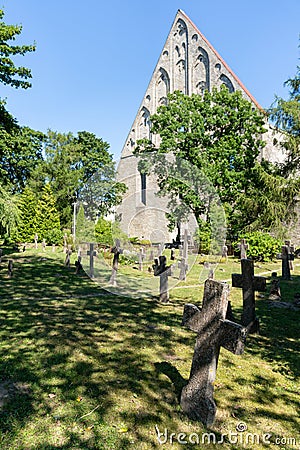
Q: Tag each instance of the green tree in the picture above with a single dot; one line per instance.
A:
(73, 165)
(103, 231)
(9, 212)
(48, 221)
(219, 136)
(20, 147)
(9, 73)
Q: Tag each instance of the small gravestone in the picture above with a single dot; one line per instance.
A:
(243, 246)
(68, 257)
(225, 252)
(249, 284)
(78, 265)
(117, 251)
(161, 269)
(185, 245)
(36, 237)
(91, 253)
(10, 268)
(183, 266)
(1, 254)
(65, 243)
(213, 331)
(44, 245)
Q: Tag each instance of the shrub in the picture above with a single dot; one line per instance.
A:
(262, 246)
(54, 236)
(145, 242)
(203, 238)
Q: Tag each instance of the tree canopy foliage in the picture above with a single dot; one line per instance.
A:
(285, 114)
(221, 136)
(10, 74)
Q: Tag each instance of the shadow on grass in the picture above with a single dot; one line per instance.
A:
(94, 346)
(278, 341)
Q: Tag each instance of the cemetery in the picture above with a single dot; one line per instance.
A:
(81, 365)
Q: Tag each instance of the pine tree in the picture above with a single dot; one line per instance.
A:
(48, 222)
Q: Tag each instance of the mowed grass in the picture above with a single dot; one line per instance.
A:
(86, 369)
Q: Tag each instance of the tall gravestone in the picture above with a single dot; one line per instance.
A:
(243, 246)
(225, 252)
(291, 250)
(249, 284)
(117, 251)
(285, 262)
(183, 265)
(36, 237)
(10, 268)
(65, 243)
(161, 269)
(213, 331)
(68, 257)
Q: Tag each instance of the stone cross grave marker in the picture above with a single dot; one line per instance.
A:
(78, 265)
(91, 253)
(1, 254)
(183, 265)
(243, 246)
(36, 237)
(213, 331)
(161, 269)
(225, 252)
(151, 256)
(10, 268)
(160, 249)
(286, 257)
(249, 284)
(291, 250)
(68, 257)
(117, 251)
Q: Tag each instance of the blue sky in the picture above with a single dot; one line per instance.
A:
(94, 59)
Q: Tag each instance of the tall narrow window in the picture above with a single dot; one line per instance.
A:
(143, 188)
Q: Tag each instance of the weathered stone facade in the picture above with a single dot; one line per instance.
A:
(188, 63)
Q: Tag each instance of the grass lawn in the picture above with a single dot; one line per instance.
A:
(81, 368)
